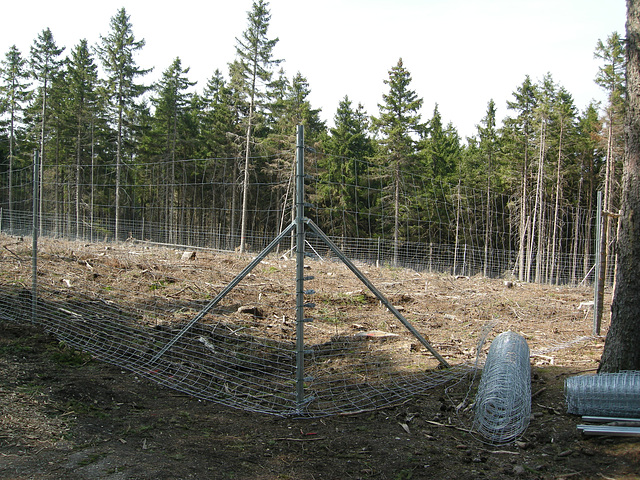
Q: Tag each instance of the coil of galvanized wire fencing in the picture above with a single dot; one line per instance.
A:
(503, 401)
(605, 394)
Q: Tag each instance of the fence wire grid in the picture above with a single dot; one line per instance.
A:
(124, 304)
(439, 225)
(116, 284)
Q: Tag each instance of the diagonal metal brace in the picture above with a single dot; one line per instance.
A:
(223, 293)
(376, 292)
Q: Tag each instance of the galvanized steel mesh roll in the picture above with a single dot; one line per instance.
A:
(503, 401)
(605, 394)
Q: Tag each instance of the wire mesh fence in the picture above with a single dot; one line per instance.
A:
(114, 292)
(439, 226)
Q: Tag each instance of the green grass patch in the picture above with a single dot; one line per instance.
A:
(62, 354)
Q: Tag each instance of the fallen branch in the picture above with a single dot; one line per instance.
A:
(497, 452)
(538, 392)
(568, 475)
(438, 424)
(12, 253)
(290, 439)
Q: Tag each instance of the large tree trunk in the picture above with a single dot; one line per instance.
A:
(622, 347)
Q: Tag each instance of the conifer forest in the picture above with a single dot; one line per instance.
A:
(102, 154)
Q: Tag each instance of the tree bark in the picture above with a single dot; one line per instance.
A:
(622, 347)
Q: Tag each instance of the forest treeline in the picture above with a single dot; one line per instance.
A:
(110, 145)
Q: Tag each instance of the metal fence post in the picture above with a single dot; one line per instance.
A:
(300, 237)
(598, 289)
(35, 233)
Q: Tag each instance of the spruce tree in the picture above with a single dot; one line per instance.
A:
(116, 52)
(564, 139)
(14, 91)
(45, 67)
(220, 143)
(83, 110)
(621, 350)
(488, 138)
(589, 159)
(172, 102)
(543, 118)
(441, 147)
(219, 124)
(398, 126)
(252, 73)
(518, 134)
(344, 170)
(611, 78)
(290, 107)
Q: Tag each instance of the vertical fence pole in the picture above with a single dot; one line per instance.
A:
(35, 233)
(300, 226)
(598, 289)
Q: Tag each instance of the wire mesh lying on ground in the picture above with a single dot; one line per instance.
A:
(503, 401)
(605, 394)
(243, 352)
(124, 302)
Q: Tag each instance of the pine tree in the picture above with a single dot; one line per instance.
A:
(116, 52)
(398, 126)
(14, 89)
(252, 73)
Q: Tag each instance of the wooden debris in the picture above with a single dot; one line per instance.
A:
(586, 305)
(188, 255)
(250, 310)
(375, 334)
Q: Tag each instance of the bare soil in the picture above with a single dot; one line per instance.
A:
(66, 415)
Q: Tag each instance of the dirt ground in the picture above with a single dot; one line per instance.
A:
(65, 415)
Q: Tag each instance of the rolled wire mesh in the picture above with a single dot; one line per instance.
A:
(605, 394)
(503, 401)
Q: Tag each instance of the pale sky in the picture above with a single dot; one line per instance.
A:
(460, 53)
